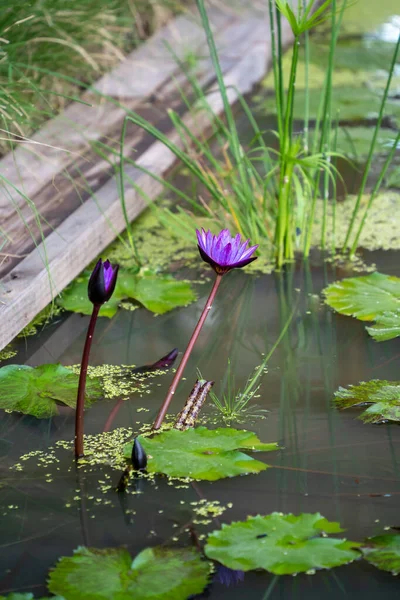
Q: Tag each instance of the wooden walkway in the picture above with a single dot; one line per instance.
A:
(60, 204)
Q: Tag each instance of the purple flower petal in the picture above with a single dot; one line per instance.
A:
(224, 252)
(108, 275)
(102, 282)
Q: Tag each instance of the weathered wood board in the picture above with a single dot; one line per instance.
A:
(244, 43)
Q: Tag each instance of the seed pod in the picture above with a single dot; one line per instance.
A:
(179, 424)
(198, 404)
(139, 456)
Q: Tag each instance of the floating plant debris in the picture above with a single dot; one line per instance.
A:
(158, 293)
(190, 412)
(374, 297)
(202, 453)
(281, 544)
(383, 398)
(383, 551)
(156, 573)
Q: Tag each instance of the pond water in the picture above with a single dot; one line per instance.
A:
(330, 462)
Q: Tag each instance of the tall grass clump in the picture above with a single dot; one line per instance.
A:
(51, 49)
(269, 195)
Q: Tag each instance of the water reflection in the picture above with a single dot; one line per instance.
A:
(330, 461)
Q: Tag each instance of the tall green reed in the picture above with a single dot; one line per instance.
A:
(268, 193)
(260, 205)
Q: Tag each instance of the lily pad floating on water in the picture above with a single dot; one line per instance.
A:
(158, 573)
(383, 551)
(158, 293)
(281, 544)
(383, 398)
(374, 297)
(37, 391)
(29, 596)
(202, 453)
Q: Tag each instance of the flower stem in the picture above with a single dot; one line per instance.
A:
(80, 403)
(185, 357)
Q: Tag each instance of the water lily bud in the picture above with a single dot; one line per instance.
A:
(224, 252)
(102, 282)
(139, 457)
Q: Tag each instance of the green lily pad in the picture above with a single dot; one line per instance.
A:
(382, 396)
(157, 293)
(281, 544)
(37, 390)
(383, 551)
(368, 298)
(386, 326)
(29, 596)
(202, 453)
(110, 574)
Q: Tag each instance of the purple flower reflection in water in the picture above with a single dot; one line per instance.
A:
(228, 576)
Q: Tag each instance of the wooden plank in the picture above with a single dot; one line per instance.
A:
(62, 139)
(67, 190)
(85, 233)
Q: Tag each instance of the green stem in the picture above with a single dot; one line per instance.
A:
(283, 229)
(275, 66)
(370, 154)
(375, 192)
(80, 403)
(122, 193)
(233, 137)
(326, 122)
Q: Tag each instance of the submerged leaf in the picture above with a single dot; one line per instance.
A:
(368, 298)
(281, 544)
(382, 396)
(157, 293)
(202, 453)
(158, 573)
(36, 390)
(383, 551)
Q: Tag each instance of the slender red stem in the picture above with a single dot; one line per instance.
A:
(80, 403)
(179, 372)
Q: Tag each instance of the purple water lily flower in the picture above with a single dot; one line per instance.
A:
(224, 252)
(102, 282)
(228, 576)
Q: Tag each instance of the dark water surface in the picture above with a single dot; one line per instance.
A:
(331, 462)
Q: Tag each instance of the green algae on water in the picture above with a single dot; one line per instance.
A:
(380, 231)
(120, 380)
(7, 353)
